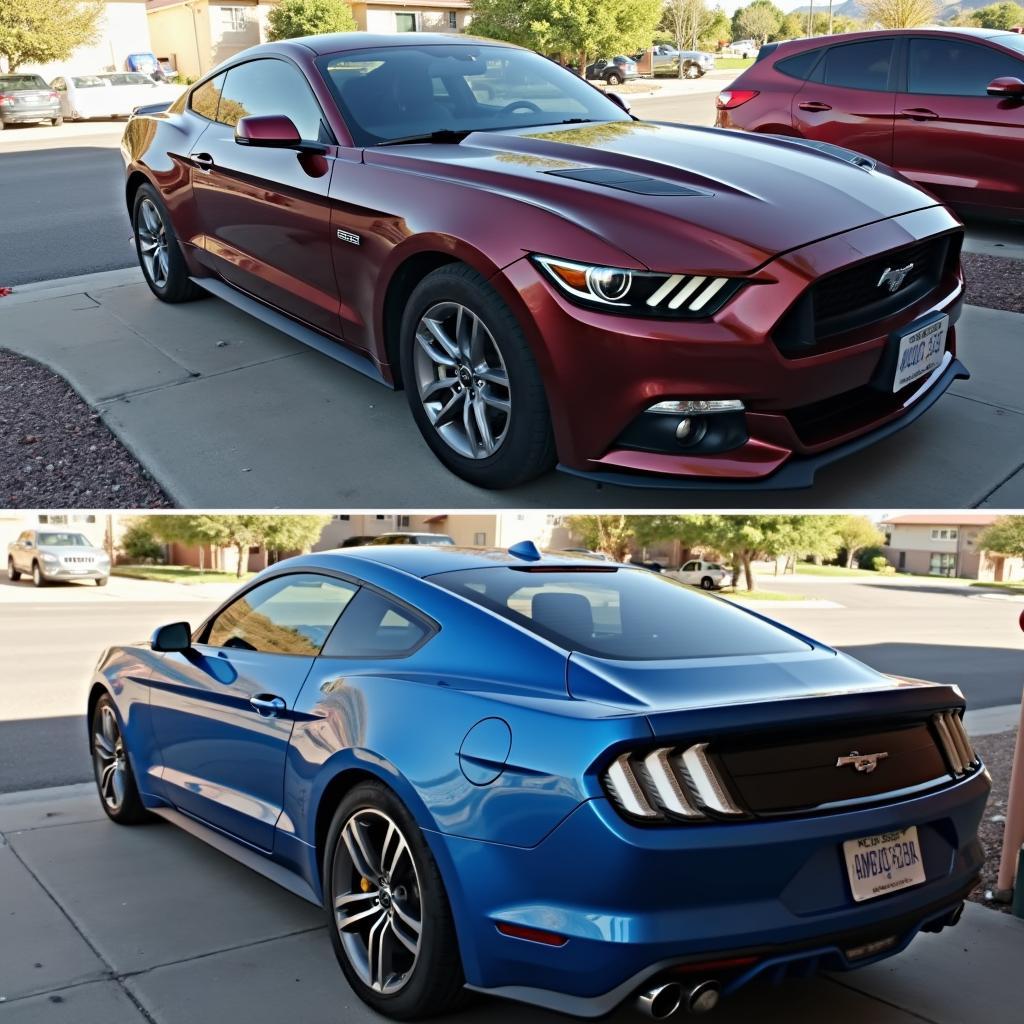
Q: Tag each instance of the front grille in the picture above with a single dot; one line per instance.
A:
(800, 773)
(855, 297)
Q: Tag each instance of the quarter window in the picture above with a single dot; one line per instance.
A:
(375, 627)
(271, 87)
(858, 65)
(952, 67)
(800, 65)
(206, 99)
(290, 614)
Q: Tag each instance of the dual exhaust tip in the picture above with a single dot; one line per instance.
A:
(662, 1001)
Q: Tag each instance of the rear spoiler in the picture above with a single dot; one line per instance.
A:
(151, 108)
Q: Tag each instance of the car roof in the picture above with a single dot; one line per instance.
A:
(429, 559)
(338, 42)
(810, 42)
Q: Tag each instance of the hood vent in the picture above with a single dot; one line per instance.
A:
(627, 181)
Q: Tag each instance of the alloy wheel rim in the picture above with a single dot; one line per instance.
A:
(377, 902)
(152, 238)
(110, 760)
(462, 380)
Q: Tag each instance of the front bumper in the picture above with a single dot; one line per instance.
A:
(637, 903)
(602, 371)
(56, 573)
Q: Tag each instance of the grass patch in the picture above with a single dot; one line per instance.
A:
(177, 574)
(760, 595)
(1015, 588)
(733, 63)
(808, 569)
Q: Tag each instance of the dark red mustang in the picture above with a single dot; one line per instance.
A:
(548, 277)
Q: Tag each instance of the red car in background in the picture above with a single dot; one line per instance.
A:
(945, 107)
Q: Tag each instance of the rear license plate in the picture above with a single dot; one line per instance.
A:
(920, 352)
(884, 863)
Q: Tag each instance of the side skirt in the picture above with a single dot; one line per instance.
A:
(243, 854)
(286, 325)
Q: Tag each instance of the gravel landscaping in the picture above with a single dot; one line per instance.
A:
(997, 753)
(994, 281)
(55, 452)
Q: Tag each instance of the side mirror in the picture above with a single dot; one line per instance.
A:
(618, 101)
(175, 637)
(1007, 86)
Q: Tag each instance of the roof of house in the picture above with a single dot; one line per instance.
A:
(955, 519)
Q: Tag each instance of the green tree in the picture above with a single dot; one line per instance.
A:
(684, 19)
(900, 13)
(758, 21)
(41, 31)
(715, 31)
(139, 544)
(793, 26)
(611, 535)
(1005, 536)
(1001, 16)
(293, 18)
(857, 532)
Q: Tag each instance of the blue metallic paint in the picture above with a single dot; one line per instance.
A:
(519, 823)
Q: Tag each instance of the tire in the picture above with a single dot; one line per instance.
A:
(163, 266)
(12, 574)
(414, 984)
(38, 579)
(56, 121)
(691, 71)
(101, 581)
(112, 769)
(613, 78)
(2, 125)
(707, 583)
(519, 444)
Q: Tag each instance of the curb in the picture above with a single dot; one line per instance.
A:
(989, 721)
(41, 290)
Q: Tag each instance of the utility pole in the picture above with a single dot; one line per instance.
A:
(810, 19)
(830, 17)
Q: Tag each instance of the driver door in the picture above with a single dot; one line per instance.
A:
(266, 213)
(223, 711)
(690, 572)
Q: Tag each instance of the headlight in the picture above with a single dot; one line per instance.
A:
(639, 292)
(47, 557)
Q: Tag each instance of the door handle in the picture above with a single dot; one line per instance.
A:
(267, 706)
(203, 161)
(919, 114)
(815, 105)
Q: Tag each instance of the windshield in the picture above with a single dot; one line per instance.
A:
(63, 540)
(395, 92)
(1011, 40)
(21, 83)
(619, 613)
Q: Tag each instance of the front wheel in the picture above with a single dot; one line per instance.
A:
(112, 769)
(707, 583)
(12, 574)
(472, 383)
(38, 579)
(57, 121)
(691, 71)
(157, 247)
(614, 78)
(390, 922)
(101, 581)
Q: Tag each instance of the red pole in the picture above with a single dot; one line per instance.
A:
(1013, 836)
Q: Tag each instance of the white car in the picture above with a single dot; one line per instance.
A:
(706, 575)
(110, 94)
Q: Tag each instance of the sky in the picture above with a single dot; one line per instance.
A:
(729, 6)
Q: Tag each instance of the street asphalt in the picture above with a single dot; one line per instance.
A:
(51, 639)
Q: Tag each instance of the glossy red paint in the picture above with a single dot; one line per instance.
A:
(966, 149)
(331, 239)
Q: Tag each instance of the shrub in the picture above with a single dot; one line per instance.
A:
(866, 558)
(881, 564)
(293, 18)
(139, 545)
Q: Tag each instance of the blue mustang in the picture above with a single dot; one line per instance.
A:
(547, 778)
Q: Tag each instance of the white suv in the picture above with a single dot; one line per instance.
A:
(54, 554)
(706, 575)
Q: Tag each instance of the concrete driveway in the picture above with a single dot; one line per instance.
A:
(109, 925)
(227, 413)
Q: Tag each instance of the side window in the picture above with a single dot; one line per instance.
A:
(800, 65)
(951, 67)
(375, 627)
(288, 615)
(858, 65)
(206, 98)
(691, 567)
(271, 87)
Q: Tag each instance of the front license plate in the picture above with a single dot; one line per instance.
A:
(883, 863)
(920, 352)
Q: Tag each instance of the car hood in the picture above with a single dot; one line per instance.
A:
(818, 681)
(71, 549)
(740, 199)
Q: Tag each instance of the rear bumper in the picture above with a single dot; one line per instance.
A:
(635, 903)
(17, 116)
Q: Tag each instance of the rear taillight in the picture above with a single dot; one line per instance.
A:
(730, 99)
(5, 100)
(53, 96)
(669, 783)
(956, 744)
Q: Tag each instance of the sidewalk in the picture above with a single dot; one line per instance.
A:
(108, 925)
(225, 412)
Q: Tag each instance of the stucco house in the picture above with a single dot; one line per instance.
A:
(946, 545)
(194, 36)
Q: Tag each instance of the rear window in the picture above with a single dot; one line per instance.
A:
(800, 65)
(21, 83)
(616, 613)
